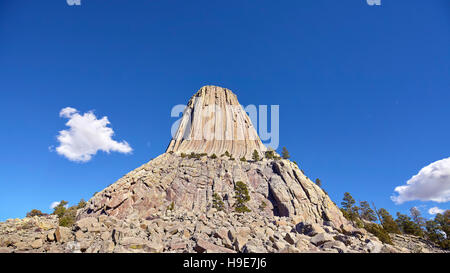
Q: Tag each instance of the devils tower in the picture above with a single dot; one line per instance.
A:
(214, 122)
(186, 199)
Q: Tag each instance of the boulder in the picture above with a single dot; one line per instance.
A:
(373, 246)
(203, 245)
(88, 224)
(321, 238)
(63, 234)
(239, 242)
(289, 238)
(290, 249)
(338, 245)
(37, 243)
(177, 245)
(310, 229)
(278, 245)
(51, 236)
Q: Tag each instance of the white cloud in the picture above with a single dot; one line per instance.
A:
(432, 183)
(67, 112)
(435, 210)
(54, 204)
(87, 135)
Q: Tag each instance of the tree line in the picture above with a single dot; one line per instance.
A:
(380, 222)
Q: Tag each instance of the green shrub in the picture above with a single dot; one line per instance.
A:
(242, 197)
(81, 204)
(243, 159)
(69, 217)
(60, 209)
(379, 232)
(171, 206)
(213, 156)
(217, 202)
(66, 216)
(318, 182)
(35, 212)
(408, 226)
(285, 153)
(270, 154)
(388, 222)
(345, 213)
(183, 155)
(193, 155)
(438, 230)
(255, 155)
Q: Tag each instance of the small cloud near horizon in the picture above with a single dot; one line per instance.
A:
(435, 210)
(86, 136)
(54, 204)
(432, 183)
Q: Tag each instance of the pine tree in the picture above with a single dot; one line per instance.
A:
(270, 153)
(242, 197)
(444, 222)
(348, 202)
(68, 218)
(417, 218)
(443, 229)
(434, 233)
(285, 153)
(318, 182)
(255, 155)
(217, 202)
(81, 204)
(350, 211)
(408, 226)
(387, 221)
(60, 209)
(366, 212)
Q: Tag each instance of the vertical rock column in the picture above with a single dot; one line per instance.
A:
(214, 122)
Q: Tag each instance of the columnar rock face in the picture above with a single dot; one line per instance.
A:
(214, 122)
(276, 188)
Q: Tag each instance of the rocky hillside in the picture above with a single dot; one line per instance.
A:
(167, 205)
(183, 230)
(276, 187)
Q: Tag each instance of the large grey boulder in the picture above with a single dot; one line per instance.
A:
(321, 238)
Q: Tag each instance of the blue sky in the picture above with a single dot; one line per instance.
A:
(363, 90)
